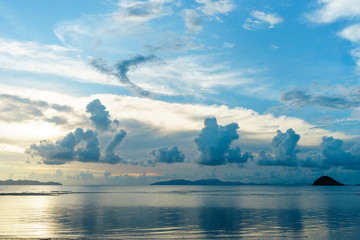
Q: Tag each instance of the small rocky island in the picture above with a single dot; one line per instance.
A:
(326, 181)
(27, 182)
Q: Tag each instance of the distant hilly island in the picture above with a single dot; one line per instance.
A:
(27, 182)
(214, 182)
(321, 181)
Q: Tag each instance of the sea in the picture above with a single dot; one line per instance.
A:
(180, 212)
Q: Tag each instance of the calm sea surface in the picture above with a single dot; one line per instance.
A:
(180, 212)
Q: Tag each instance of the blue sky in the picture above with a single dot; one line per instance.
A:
(131, 92)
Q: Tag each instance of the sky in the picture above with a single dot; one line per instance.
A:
(133, 92)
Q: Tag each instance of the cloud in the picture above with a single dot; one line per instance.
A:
(228, 45)
(285, 152)
(80, 145)
(234, 156)
(351, 33)
(333, 10)
(171, 42)
(47, 59)
(284, 148)
(121, 69)
(99, 116)
(214, 8)
(262, 20)
(192, 20)
(18, 109)
(63, 151)
(330, 11)
(193, 17)
(165, 155)
(297, 98)
(110, 156)
(142, 11)
(214, 143)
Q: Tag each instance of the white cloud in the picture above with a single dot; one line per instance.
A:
(332, 10)
(262, 20)
(190, 75)
(141, 11)
(192, 21)
(213, 8)
(48, 59)
(228, 45)
(351, 33)
(153, 118)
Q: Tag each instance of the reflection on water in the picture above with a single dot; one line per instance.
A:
(190, 212)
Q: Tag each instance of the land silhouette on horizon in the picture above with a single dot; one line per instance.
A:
(326, 181)
(215, 182)
(27, 182)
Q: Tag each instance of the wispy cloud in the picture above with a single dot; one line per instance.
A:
(298, 98)
(47, 59)
(121, 69)
(214, 8)
(332, 10)
(208, 9)
(192, 20)
(142, 11)
(262, 20)
(18, 109)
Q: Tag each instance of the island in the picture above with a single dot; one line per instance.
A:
(326, 181)
(212, 182)
(27, 182)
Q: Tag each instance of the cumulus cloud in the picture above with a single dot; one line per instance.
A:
(284, 148)
(262, 20)
(214, 143)
(64, 150)
(332, 154)
(234, 155)
(285, 152)
(110, 155)
(165, 155)
(99, 116)
(297, 98)
(80, 145)
(121, 69)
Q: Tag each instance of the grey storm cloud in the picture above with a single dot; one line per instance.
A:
(165, 155)
(214, 143)
(29, 109)
(99, 115)
(80, 145)
(120, 71)
(299, 99)
(283, 146)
